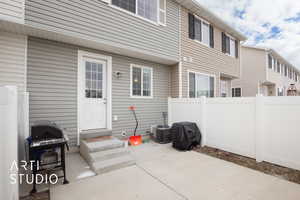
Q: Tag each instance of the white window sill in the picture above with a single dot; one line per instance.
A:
(230, 55)
(202, 43)
(137, 16)
(141, 97)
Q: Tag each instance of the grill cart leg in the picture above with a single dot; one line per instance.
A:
(63, 164)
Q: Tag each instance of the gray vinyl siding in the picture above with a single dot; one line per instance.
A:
(52, 85)
(97, 21)
(12, 10)
(13, 60)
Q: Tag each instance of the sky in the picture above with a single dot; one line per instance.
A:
(267, 23)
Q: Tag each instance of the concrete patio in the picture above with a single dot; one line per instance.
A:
(164, 173)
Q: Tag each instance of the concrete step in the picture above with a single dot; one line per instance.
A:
(108, 154)
(103, 145)
(94, 133)
(104, 166)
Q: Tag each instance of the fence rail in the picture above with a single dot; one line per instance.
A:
(264, 128)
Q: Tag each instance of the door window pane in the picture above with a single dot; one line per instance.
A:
(93, 80)
(224, 88)
(148, 9)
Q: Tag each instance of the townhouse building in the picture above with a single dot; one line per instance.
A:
(265, 72)
(81, 59)
(209, 54)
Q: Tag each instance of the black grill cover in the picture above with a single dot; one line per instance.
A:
(186, 135)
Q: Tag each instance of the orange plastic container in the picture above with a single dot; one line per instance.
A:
(135, 140)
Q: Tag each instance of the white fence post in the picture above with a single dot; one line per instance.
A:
(169, 111)
(259, 127)
(203, 120)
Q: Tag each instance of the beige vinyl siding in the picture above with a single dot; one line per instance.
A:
(12, 10)
(175, 81)
(100, 22)
(253, 71)
(279, 79)
(200, 58)
(52, 84)
(13, 60)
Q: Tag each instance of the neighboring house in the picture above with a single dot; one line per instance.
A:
(81, 59)
(264, 72)
(209, 54)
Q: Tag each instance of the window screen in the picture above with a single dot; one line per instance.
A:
(148, 9)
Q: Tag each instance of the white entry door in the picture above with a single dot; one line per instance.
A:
(93, 94)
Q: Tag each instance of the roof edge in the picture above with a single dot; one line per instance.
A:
(195, 6)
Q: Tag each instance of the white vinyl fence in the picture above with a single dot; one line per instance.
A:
(264, 128)
(8, 140)
(13, 131)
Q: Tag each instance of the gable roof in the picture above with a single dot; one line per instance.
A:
(195, 7)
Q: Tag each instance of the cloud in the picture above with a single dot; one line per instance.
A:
(268, 23)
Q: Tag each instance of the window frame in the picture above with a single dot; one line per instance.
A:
(164, 11)
(157, 23)
(270, 62)
(234, 39)
(202, 32)
(233, 93)
(200, 73)
(142, 81)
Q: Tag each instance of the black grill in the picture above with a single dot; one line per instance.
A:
(47, 138)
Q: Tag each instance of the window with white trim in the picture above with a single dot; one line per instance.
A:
(278, 66)
(232, 47)
(270, 61)
(153, 10)
(202, 32)
(229, 45)
(162, 12)
(201, 85)
(141, 81)
(280, 91)
(236, 92)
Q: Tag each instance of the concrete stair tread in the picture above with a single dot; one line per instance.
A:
(113, 164)
(108, 154)
(95, 133)
(103, 145)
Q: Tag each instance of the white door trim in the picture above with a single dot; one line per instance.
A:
(108, 59)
